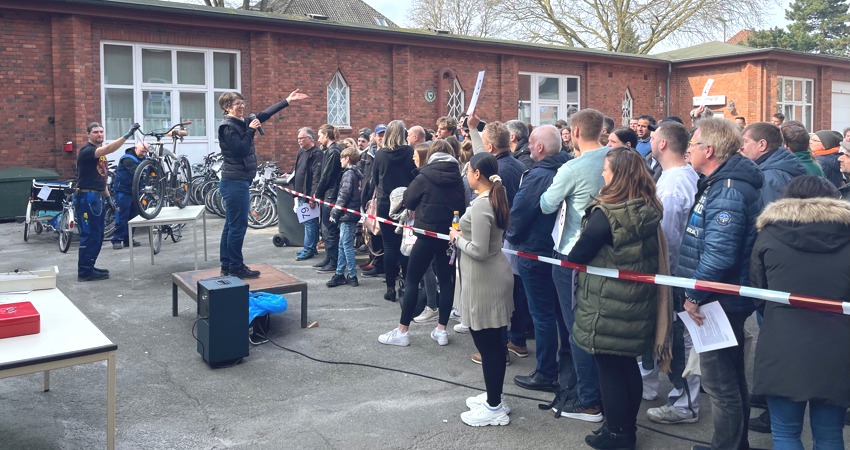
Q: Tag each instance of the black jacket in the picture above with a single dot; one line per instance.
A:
(510, 170)
(236, 140)
(349, 195)
(391, 169)
(523, 154)
(435, 194)
(331, 171)
(803, 247)
(308, 169)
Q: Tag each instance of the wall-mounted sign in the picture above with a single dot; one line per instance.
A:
(711, 100)
(430, 95)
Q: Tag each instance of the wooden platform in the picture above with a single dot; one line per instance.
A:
(271, 280)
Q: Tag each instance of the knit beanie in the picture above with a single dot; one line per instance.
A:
(829, 139)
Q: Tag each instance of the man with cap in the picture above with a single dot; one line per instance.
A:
(824, 146)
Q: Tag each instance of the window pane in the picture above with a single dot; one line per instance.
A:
(779, 83)
(119, 112)
(157, 110)
(190, 68)
(524, 88)
(808, 98)
(193, 109)
(798, 91)
(524, 113)
(219, 114)
(338, 101)
(224, 68)
(572, 90)
(156, 66)
(118, 64)
(548, 89)
(788, 92)
(807, 112)
(548, 114)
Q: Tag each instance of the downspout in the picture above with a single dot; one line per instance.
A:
(667, 97)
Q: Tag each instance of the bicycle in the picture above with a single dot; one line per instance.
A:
(163, 179)
(205, 173)
(263, 199)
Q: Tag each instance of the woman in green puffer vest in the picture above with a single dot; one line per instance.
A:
(615, 319)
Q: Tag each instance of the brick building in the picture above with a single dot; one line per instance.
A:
(69, 62)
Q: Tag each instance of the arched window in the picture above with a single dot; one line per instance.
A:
(339, 102)
(456, 100)
(627, 108)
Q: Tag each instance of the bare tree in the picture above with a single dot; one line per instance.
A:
(480, 18)
(630, 26)
(258, 5)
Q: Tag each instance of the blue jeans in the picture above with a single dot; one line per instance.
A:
(125, 210)
(311, 230)
(786, 424)
(347, 230)
(236, 204)
(89, 208)
(725, 382)
(330, 234)
(547, 318)
(586, 376)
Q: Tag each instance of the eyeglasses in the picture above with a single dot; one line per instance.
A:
(239, 103)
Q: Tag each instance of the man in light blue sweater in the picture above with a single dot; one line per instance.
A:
(572, 190)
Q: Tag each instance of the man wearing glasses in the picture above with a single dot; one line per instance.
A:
(308, 167)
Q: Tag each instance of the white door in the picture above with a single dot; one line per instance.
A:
(840, 105)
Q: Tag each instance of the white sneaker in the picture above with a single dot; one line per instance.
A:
(667, 414)
(485, 415)
(481, 399)
(395, 337)
(454, 315)
(428, 315)
(440, 336)
(461, 328)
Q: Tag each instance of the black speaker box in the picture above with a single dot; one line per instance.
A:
(223, 318)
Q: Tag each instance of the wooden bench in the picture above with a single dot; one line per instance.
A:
(271, 280)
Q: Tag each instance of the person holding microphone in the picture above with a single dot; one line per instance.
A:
(236, 139)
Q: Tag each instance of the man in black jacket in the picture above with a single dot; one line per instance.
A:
(326, 190)
(125, 207)
(308, 169)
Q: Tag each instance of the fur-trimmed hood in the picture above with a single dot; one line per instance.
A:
(813, 224)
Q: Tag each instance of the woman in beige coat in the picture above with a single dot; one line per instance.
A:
(485, 285)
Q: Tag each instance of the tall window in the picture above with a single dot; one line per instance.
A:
(794, 98)
(627, 108)
(338, 102)
(456, 100)
(160, 86)
(544, 98)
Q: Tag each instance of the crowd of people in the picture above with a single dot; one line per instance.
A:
(752, 205)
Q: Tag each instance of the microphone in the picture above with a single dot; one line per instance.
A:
(253, 116)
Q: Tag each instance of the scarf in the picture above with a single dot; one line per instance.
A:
(826, 151)
(662, 348)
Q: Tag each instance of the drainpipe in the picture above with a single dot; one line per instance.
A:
(667, 98)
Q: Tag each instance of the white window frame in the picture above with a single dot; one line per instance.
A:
(562, 103)
(789, 107)
(339, 79)
(456, 100)
(627, 108)
(212, 109)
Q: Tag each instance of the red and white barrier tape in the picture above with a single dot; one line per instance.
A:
(802, 301)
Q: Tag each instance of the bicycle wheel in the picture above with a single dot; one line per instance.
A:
(176, 232)
(258, 212)
(28, 219)
(65, 223)
(218, 203)
(182, 181)
(195, 189)
(156, 239)
(149, 189)
(108, 219)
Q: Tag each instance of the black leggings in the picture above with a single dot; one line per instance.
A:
(392, 253)
(621, 388)
(424, 251)
(492, 348)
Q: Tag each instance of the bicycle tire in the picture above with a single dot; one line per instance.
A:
(208, 198)
(26, 231)
(108, 219)
(149, 189)
(220, 208)
(195, 189)
(176, 232)
(182, 178)
(262, 210)
(155, 239)
(65, 232)
(27, 220)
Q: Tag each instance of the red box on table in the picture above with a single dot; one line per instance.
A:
(18, 319)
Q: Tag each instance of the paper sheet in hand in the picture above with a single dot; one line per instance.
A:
(705, 91)
(305, 212)
(715, 332)
(44, 193)
(475, 94)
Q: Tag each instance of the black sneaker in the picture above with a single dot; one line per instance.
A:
(390, 295)
(106, 271)
(352, 281)
(337, 280)
(760, 424)
(321, 264)
(94, 276)
(245, 272)
(327, 268)
(608, 440)
(225, 271)
(376, 272)
(580, 412)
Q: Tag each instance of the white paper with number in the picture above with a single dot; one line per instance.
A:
(714, 333)
(305, 212)
(44, 193)
(705, 91)
(475, 93)
(558, 229)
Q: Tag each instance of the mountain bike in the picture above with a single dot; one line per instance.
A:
(163, 179)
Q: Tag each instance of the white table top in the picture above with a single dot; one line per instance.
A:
(171, 214)
(65, 332)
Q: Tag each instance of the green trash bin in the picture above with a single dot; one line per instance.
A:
(15, 189)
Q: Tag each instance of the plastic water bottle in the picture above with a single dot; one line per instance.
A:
(452, 249)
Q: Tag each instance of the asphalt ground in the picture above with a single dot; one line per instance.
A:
(332, 386)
